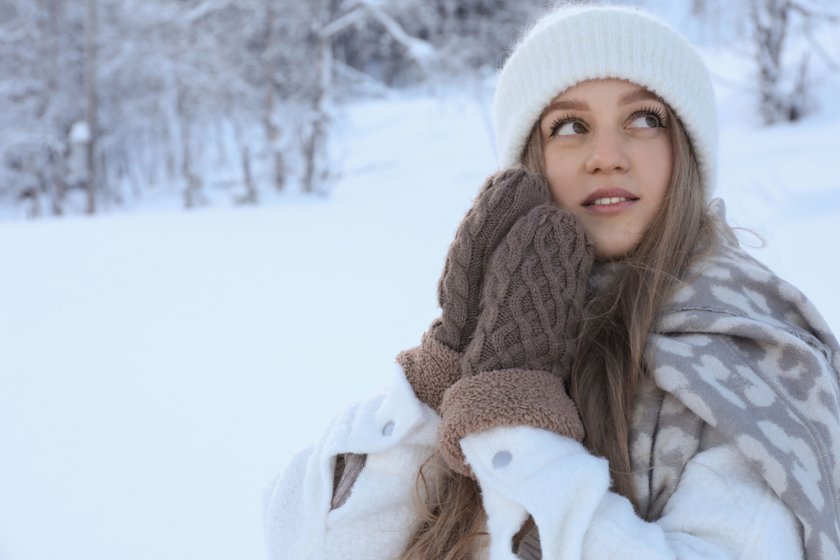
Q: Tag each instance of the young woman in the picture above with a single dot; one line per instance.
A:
(612, 376)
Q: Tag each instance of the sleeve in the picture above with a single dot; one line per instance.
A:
(720, 509)
(396, 433)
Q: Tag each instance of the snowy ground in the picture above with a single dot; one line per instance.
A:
(158, 367)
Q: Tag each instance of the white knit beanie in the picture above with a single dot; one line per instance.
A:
(572, 44)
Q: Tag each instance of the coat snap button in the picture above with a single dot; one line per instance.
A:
(502, 459)
(388, 429)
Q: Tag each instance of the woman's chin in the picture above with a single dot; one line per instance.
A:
(611, 249)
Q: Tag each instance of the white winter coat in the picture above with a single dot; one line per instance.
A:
(720, 510)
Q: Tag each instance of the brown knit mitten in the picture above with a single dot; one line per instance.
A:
(533, 296)
(515, 364)
(433, 367)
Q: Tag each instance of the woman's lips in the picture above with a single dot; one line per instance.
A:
(609, 201)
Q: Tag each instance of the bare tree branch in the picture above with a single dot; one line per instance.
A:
(811, 13)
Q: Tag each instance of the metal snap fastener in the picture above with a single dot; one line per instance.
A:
(388, 429)
(502, 459)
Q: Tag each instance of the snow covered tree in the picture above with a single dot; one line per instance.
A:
(330, 21)
(91, 61)
(40, 93)
(268, 47)
(469, 34)
(783, 73)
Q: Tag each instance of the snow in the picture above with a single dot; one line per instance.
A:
(159, 367)
(80, 132)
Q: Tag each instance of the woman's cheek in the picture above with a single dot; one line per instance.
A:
(560, 182)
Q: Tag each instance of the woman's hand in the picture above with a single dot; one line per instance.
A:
(521, 351)
(434, 366)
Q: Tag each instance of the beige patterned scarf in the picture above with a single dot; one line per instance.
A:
(741, 351)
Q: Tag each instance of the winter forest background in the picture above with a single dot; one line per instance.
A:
(109, 103)
(220, 220)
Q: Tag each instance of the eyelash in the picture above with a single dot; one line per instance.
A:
(656, 111)
(560, 121)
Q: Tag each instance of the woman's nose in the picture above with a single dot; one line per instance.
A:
(607, 155)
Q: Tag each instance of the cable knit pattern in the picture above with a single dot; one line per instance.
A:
(533, 295)
(434, 365)
(503, 199)
(530, 311)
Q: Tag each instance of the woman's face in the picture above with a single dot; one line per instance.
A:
(608, 159)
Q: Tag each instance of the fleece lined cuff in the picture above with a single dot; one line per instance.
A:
(508, 397)
(431, 368)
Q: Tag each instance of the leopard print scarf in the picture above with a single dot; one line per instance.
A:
(742, 352)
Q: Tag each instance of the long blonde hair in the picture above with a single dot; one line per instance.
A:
(609, 364)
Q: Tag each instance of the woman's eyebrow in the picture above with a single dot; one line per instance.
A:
(577, 105)
(567, 105)
(638, 95)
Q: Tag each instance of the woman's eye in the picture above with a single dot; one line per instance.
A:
(567, 128)
(648, 120)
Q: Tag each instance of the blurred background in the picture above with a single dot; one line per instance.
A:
(220, 221)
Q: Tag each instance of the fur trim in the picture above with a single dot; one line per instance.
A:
(509, 397)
